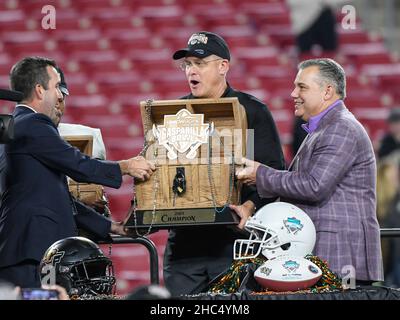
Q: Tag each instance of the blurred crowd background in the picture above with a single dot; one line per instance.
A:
(116, 53)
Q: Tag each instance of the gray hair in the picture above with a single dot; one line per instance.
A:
(329, 72)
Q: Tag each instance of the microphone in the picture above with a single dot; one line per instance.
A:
(10, 95)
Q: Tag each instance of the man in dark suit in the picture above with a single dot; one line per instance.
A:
(36, 208)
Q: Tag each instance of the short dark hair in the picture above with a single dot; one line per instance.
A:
(330, 72)
(29, 72)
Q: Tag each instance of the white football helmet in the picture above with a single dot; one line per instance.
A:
(277, 229)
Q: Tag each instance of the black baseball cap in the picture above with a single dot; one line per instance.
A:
(63, 84)
(203, 44)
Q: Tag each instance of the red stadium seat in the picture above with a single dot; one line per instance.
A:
(16, 18)
(203, 9)
(4, 81)
(78, 39)
(284, 122)
(112, 17)
(127, 22)
(91, 61)
(237, 35)
(388, 75)
(266, 13)
(5, 63)
(88, 5)
(274, 78)
(33, 7)
(91, 101)
(168, 80)
(228, 19)
(159, 16)
(23, 41)
(212, 15)
(281, 34)
(154, 59)
(257, 56)
(123, 147)
(373, 120)
(130, 102)
(177, 37)
(366, 53)
(363, 102)
(127, 39)
(9, 5)
(351, 36)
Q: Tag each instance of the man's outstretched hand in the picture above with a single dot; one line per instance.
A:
(244, 211)
(137, 167)
(247, 174)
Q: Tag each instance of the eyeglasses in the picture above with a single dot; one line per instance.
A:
(200, 64)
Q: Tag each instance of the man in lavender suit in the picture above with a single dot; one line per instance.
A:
(332, 177)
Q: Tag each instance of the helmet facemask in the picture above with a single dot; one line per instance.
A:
(250, 248)
(93, 277)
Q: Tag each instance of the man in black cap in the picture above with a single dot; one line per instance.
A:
(196, 255)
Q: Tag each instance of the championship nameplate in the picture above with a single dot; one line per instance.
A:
(194, 145)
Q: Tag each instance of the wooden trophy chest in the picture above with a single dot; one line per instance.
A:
(194, 145)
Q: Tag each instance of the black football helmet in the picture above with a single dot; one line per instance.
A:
(79, 266)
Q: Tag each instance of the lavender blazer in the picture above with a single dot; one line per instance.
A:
(333, 179)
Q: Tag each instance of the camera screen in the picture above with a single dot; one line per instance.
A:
(39, 294)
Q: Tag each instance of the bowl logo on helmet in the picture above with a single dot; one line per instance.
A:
(53, 256)
(291, 265)
(277, 229)
(293, 225)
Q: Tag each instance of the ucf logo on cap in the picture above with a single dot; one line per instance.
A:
(197, 38)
